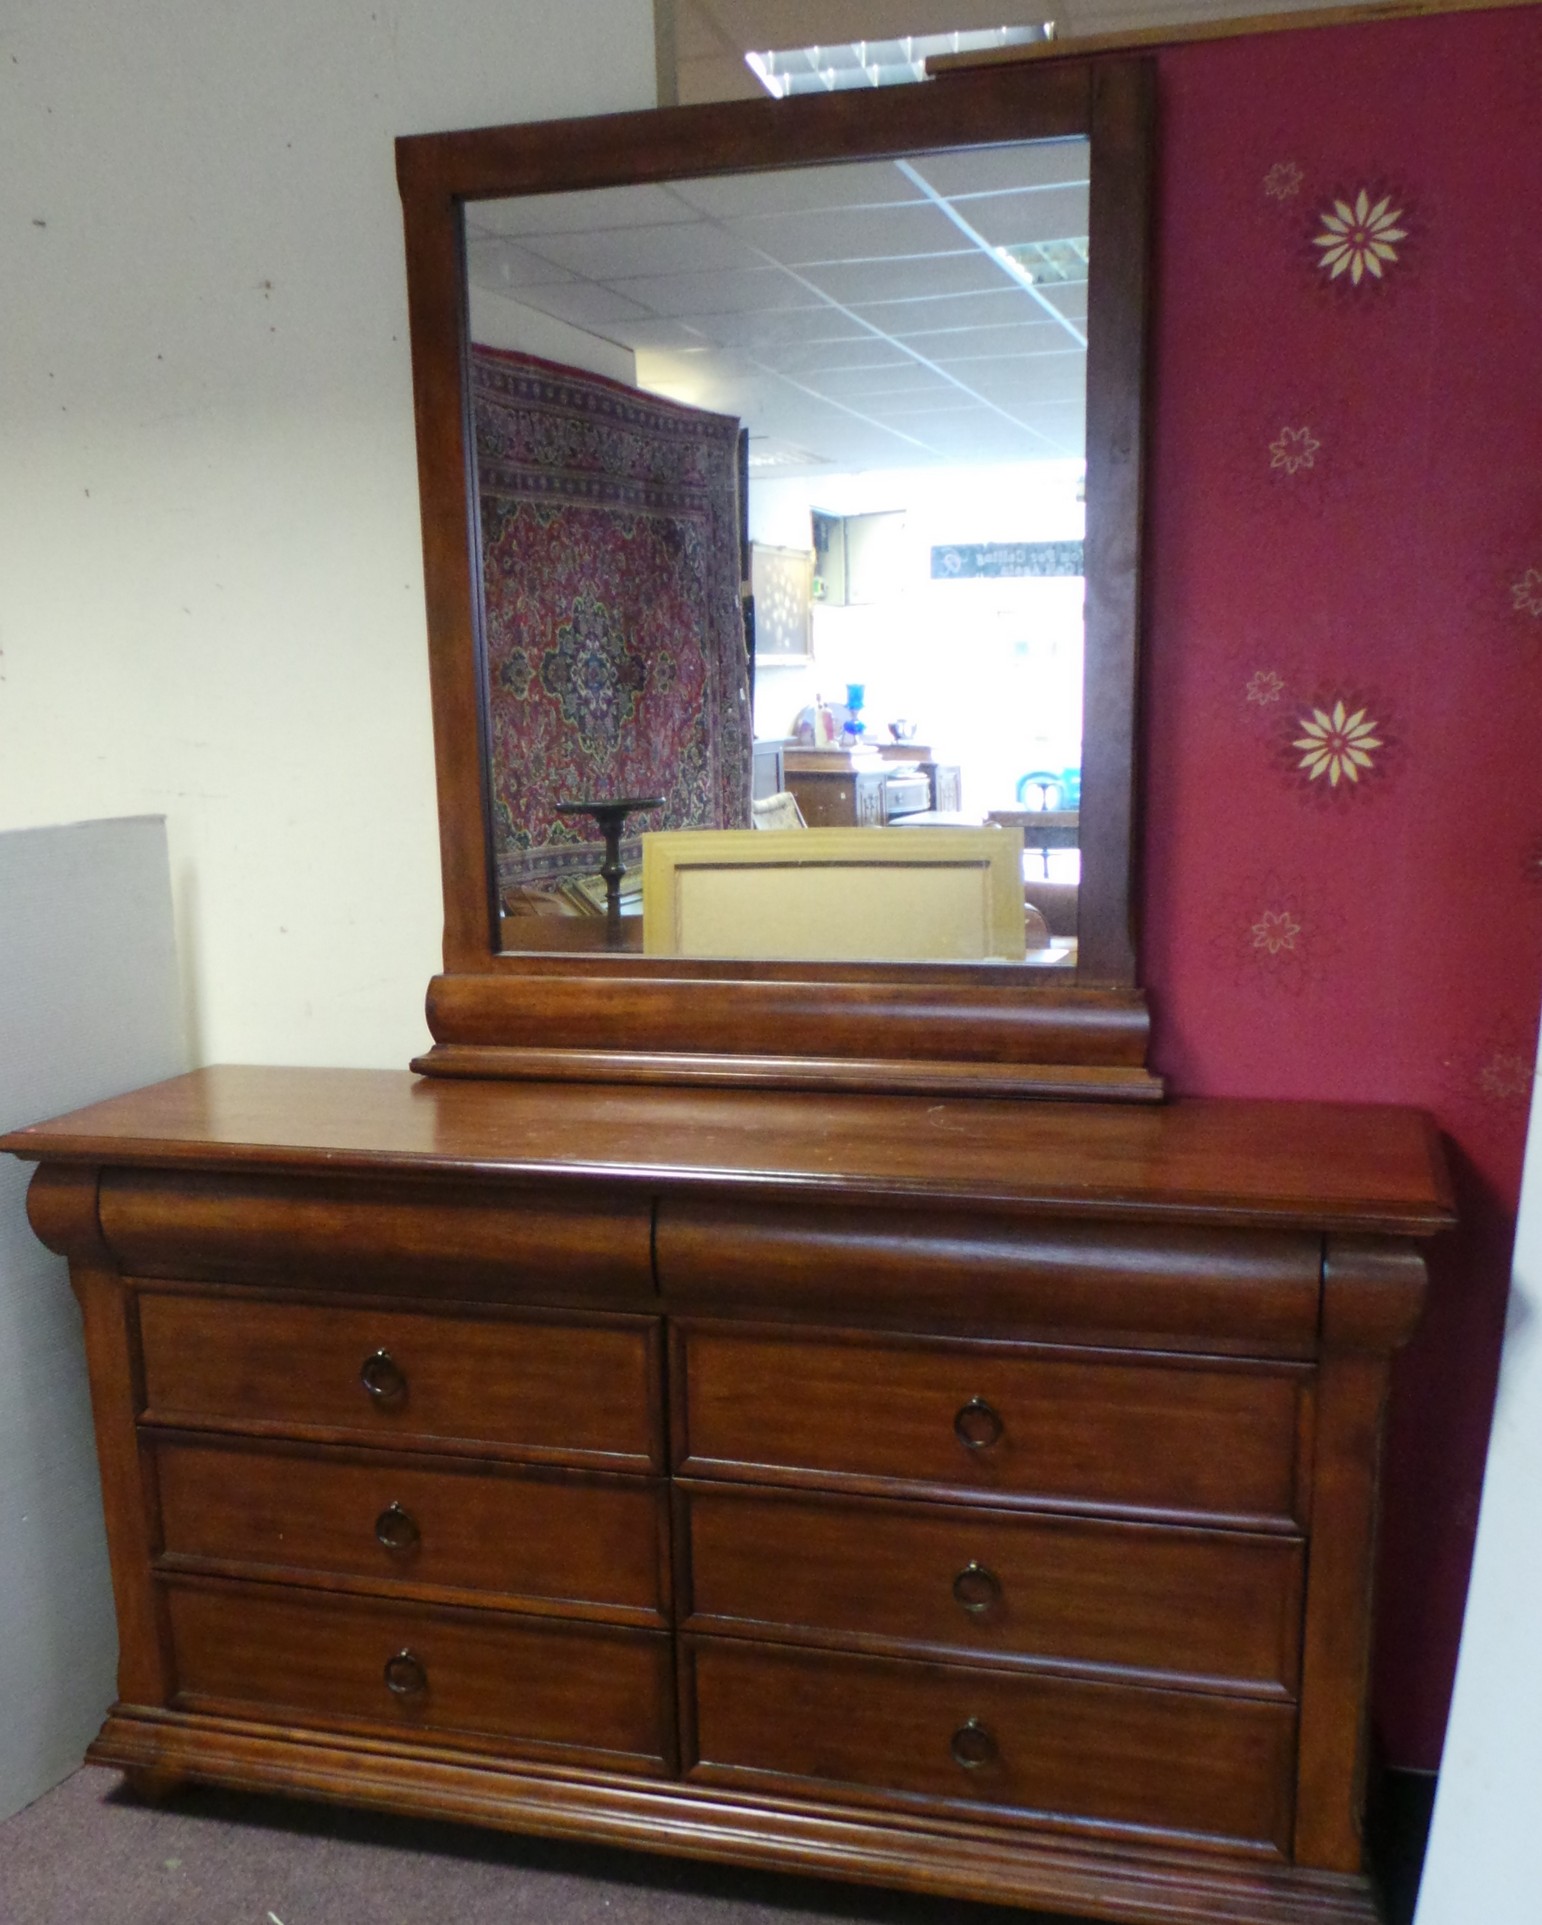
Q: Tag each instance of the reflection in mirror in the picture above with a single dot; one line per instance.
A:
(780, 486)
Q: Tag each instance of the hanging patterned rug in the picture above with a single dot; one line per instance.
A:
(616, 657)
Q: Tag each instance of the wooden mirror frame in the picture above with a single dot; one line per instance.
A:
(977, 1027)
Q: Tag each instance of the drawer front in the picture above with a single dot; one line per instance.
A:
(545, 1539)
(536, 1386)
(1118, 1431)
(1253, 1293)
(493, 1241)
(1217, 1608)
(577, 1693)
(771, 1718)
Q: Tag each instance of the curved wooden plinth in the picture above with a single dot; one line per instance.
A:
(990, 1862)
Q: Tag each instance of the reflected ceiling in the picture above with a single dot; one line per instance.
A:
(880, 315)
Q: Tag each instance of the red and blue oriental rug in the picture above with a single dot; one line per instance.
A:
(616, 660)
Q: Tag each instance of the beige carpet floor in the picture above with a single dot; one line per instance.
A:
(88, 1854)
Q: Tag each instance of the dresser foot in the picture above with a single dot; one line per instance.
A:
(152, 1784)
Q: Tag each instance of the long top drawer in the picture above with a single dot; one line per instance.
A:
(1222, 1289)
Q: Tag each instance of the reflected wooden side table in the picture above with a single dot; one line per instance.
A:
(610, 816)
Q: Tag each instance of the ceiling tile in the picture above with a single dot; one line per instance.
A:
(503, 266)
(902, 319)
(729, 292)
(993, 170)
(850, 234)
(858, 284)
(856, 385)
(578, 213)
(584, 304)
(794, 190)
(614, 254)
(956, 347)
(1049, 214)
(779, 325)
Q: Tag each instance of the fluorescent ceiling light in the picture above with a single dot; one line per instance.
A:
(876, 63)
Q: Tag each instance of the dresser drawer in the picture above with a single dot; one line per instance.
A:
(1214, 1608)
(1120, 1431)
(534, 1385)
(574, 1541)
(574, 1693)
(802, 1722)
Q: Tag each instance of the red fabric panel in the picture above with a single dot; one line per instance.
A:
(1346, 507)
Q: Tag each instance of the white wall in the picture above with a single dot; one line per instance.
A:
(1484, 1864)
(210, 569)
(88, 1008)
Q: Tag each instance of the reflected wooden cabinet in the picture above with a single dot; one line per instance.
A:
(977, 1497)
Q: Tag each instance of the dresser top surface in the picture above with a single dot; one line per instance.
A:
(1347, 1167)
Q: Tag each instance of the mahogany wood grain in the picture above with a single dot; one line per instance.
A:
(1371, 1291)
(1111, 1280)
(1074, 1082)
(952, 1857)
(1216, 1609)
(1090, 1755)
(537, 1386)
(144, 1665)
(1123, 1433)
(672, 1012)
(62, 1209)
(1200, 1161)
(494, 1241)
(1119, 254)
(844, 1278)
(582, 1693)
(581, 1543)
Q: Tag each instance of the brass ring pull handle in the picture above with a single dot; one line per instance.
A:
(973, 1745)
(383, 1377)
(976, 1588)
(405, 1676)
(977, 1425)
(397, 1529)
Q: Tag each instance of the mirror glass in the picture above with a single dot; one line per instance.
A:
(780, 484)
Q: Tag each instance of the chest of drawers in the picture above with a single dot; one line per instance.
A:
(967, 1496)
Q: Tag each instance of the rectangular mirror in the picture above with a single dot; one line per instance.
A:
(781, 473)
(892, 353)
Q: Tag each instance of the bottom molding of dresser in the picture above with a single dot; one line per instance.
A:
(954, 1859)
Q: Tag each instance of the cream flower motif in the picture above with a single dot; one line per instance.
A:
(1264, 687)
(1296, 448)
(1527, 593)
(1275, 929)
(1337, 745)
(1356, 239)
(1283, 180)
(1506, 1076)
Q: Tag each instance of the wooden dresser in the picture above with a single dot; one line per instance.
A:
(959, 1494)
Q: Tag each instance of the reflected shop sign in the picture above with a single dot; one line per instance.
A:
(976, 560)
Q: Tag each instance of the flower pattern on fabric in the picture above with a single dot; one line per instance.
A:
(1526, 593)
(1265, 686)
(1293, 449)
(1359, 237)
(616, 662)
(1337, 744)
(592, 674)
(1283, 180)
